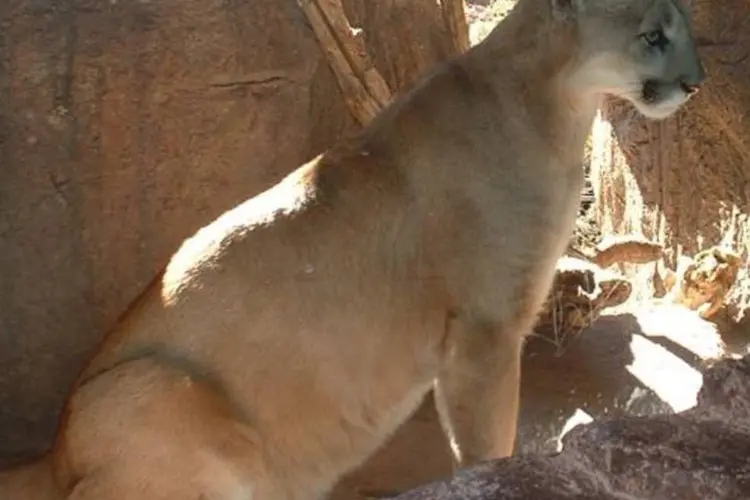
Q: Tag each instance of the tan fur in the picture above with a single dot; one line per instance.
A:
(289, 338)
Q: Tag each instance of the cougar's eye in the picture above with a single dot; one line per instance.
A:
(655, 38)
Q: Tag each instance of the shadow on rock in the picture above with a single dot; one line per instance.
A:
(701, 453)
(590, 380)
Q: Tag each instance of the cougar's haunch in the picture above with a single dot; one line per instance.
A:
(286, 340)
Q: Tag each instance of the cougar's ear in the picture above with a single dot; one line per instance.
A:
(567, 9)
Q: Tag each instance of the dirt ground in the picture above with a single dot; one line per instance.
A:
(642, 362)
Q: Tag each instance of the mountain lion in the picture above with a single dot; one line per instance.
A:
(285, 341)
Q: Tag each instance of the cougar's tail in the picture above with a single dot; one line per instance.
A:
(32, 481)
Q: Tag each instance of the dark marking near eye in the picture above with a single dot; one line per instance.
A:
(656, 38)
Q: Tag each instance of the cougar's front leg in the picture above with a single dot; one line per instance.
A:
(477, 390)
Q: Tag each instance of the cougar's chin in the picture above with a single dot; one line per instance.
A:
(658, 101)
(657, 111)
(654, 101)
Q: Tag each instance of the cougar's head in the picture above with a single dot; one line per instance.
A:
(639, 50)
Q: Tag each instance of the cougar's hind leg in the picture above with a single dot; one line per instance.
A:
(145, 430)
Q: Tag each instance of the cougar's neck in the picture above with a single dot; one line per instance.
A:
(535, 55)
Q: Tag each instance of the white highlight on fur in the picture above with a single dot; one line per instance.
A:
(282, 199)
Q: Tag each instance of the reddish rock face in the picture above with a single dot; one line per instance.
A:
(701, 453)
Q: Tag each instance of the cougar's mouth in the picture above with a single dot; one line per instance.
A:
(650, 91)
(659, 100)
(653, 92)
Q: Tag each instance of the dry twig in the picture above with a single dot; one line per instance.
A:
(364, 89)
